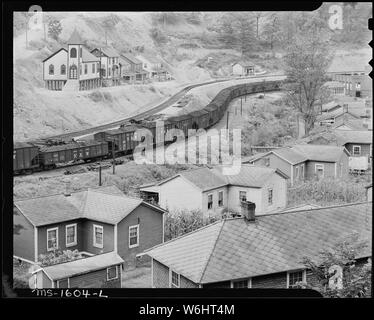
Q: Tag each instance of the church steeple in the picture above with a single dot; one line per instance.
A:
(75, 38)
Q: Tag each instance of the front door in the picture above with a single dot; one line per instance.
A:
(73, 72)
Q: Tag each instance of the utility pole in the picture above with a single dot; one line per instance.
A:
(227, 120)
(100, 175)
(114, 157)
(241, 106)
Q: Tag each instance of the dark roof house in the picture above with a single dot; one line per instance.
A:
(264, 249)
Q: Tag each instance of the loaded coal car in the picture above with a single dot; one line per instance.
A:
(51, 155)
(200, 119)
(182, 122)
(213, 112)
(25, 157)
(122, 139)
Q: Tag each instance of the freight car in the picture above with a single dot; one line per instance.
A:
(50, 156)
(25, 157)
(29, 157)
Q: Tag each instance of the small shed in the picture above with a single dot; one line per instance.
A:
(98, 271)
(243, 68)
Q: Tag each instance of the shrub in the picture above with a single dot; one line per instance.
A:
(327, 192)
(181, 222)
(58, 256)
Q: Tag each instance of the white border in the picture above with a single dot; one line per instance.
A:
(107, 273)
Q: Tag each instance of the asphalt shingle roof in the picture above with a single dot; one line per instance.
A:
(235, 248)
(354, 136)
(325, 153)
(105, 204)
(291, 155)
(207, 179)
(81, 266)
(88, 56)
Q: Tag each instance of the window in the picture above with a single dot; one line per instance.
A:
(111, 273)
(80, 51)
(302, 171)
(93, 68)
(210, 201)
(242, 195)
(297, 172)
(52, 239)
(63, 283)
(267, 161)
(270, 197)
(294, 277)
(73, 53)
(319, 170)
(85, 69)
(241, 284)
(133, 236)
(71, 235)
(98, 236)
(341, 169)
(63, 69)
(220, 198)
(51, 69)
(356, 150)
(175, 279)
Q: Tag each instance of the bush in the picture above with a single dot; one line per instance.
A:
(327, 192)
(58, 256)
(181, 222)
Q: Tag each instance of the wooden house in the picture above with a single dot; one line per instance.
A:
(99, 271)
(307, 161)
(109, 65)
(243, 68)
(95, 221)
(211, 192)
(131, 69)
(263, 251)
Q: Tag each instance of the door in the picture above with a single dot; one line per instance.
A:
(73, 72)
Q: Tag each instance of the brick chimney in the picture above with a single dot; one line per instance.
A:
(248, 210)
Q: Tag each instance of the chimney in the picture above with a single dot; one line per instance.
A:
(345, 107)
(248, 210)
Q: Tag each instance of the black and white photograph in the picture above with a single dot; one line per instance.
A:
(193, 150)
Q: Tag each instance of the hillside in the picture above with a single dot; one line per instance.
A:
(194, 47)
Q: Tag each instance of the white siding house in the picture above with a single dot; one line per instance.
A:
(211, 192)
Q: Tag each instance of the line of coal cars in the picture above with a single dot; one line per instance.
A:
(36, 156)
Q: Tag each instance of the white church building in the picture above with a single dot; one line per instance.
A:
(74, 68)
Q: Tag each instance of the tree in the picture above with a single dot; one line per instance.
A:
(272, 31)
(226, 32)
(355, 280)
(54, 28)
(258, 15)
(306, 61)
(245, 32)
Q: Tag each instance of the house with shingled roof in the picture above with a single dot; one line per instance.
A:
(264, 251)
(110, 69)
(306, 161)
(98, 271)
(94, 221)
(132, 69)
(211, 192)
(358, 143)
(73, 68)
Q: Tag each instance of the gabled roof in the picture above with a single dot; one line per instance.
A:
(245, 63)
(75, 38)
(307, 152)
(130, 57)
(53, 54)
(354, 136)
(207, 179)
(88, 56)
(104, 204)
(324, 153)
(235, 248)
(82, 266)
(353, 124)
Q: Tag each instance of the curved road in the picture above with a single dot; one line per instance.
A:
(159, 107)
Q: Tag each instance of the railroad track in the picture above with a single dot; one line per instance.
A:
(144, 114)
